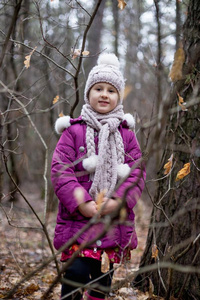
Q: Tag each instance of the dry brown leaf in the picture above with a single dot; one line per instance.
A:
(183, 172)
(56, 99)
(181, 102)
(154, 251)
(121, 4)
(176, 70)
(31, 288)
(85, 53)
(168, 165)
(76, 53)
(151, 289)
(28, 59)
(99, 200)
(105, 262)
(61, 114)
(48, 278)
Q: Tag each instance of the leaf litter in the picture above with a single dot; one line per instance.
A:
(23, 250)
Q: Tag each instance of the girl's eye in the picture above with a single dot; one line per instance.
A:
(98, 89)
(111, 91)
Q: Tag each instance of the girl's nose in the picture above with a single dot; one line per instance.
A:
(104, 94)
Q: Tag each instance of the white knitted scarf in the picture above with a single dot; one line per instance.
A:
(110, 147)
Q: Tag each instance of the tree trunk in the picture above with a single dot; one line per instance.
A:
(116, 27)
(177, 203)
(178, 24)
(1, 162)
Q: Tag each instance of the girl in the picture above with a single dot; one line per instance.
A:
(94, 153)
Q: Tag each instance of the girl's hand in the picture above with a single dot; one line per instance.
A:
(88, 209)
(109, 205)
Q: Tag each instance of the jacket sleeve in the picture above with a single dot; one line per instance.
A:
(134, 184)
(63, 175)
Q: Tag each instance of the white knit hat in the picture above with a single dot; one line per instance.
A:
(107, 70)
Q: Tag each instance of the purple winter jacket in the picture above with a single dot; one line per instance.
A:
(67, 173)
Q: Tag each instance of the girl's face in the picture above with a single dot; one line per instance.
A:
(103, 97)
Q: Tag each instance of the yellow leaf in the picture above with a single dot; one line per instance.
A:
(99, 200)
(168, 165)
(105, 262)
(183, 172)
(121, 4)
(154, 251)
(85, 53)
(55, 100)
(75, 53)
(176, 70)
(28, 59)
(61, 114)
(181, 103)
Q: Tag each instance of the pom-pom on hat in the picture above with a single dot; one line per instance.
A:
(107, 70)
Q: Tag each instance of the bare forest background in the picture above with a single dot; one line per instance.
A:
(47, 49)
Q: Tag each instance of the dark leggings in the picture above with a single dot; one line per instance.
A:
(83, 270)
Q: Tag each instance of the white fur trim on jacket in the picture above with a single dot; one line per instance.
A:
(62, 123)
(130, 120)
(90, 163)
(123, 170)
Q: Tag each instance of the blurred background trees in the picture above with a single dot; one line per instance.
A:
(145, 35)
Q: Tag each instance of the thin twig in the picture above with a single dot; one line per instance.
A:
(47, 42)
(80, 58)
(42, 54)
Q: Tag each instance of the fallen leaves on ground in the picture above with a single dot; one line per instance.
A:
(23, 250)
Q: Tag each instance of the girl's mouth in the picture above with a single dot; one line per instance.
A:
(103, 102)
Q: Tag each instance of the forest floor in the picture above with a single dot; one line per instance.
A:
(22, 250)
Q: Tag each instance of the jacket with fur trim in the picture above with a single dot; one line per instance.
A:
(68, 173)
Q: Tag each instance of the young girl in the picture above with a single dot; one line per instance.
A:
(94, 153)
